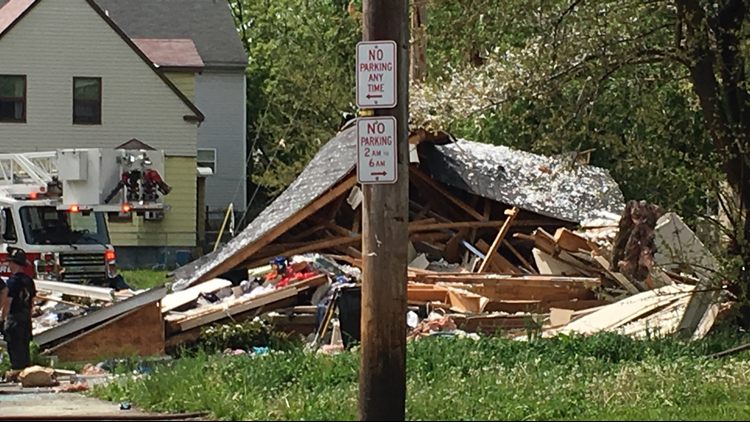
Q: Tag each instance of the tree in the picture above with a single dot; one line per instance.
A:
(659, 85)
(300, 80)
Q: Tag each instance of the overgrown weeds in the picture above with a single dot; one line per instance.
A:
(607, 376)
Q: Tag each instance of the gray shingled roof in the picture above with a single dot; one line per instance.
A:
(332, 163)
(208, 23)
(556, 187)
(509, 176)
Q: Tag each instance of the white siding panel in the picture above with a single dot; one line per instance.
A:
(61, 39)
(220, 95)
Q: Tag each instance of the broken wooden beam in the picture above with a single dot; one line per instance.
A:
(444, 192)
(500, 261)
(570, 241)
(512, 213)
(520, 257)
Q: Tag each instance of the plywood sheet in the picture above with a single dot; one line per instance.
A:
(140, 332)
(178, 299)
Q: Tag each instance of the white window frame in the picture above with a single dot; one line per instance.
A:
(215, 160)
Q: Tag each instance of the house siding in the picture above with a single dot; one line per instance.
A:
(60, 39)
(184, 81)
(178, 226)
(220, 95)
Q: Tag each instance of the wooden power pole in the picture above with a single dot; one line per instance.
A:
(419, 41)
(385, 213)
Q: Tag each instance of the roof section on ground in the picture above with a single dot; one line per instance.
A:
(509, 176)
(332, 163)
(551, 186)
(209, 23)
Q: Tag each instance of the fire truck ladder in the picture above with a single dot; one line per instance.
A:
(23, 171)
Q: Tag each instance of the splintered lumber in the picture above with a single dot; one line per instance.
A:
(457, 225)
(500, 261)
(461, 204)
(512, 213)
(559, 317)
(662, 322)
(549, 265)
(491, 324)
(619, 278)
(509, 280)
(544, 306)
(236, 258)
(138, 332)
(90, 292)
(570, 241)
(213, 313)
(310, 247)
(177, 299)
(546, 243)
(501, 287)
(85, 322)
(430, 237)
(458, 300)
(520, 257)
(620, 313)
(452, 251)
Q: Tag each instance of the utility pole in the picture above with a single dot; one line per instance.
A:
(385, 213)
(419, 43)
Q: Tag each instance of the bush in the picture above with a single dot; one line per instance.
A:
(245, 335)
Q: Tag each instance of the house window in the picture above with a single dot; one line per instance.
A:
(87, 101)
(207, 158)
(13, 98)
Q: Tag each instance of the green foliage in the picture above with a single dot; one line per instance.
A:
(536, 75)
(245, 335)
(552, 78)
(36, 358)
(144, 279)
(300, 78)
(606, 375)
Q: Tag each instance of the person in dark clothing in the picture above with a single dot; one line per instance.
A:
(17, 308)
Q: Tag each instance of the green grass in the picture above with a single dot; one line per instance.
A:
(605, 377)
(144, 279)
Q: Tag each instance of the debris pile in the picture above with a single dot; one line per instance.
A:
(499, 240)
(300, 284)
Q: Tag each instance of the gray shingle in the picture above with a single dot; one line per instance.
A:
(208, 23)
(556, 187)
(509, 176)
(332, 163)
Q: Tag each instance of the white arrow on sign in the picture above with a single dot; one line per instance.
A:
(376, 74)
(376, 150)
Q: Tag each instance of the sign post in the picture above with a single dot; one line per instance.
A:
(382, 169)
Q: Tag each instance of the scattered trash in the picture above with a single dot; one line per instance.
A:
(412, 319)
(90, 369)
(38, 376)
(124, 406)
(75, 387)
(260, 350)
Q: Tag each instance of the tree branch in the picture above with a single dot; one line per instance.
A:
(705, 85)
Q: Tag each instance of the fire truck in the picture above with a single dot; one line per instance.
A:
(54, 206)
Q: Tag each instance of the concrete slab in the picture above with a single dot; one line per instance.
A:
(55, 405)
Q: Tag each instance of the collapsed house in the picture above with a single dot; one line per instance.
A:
(501, 241)
(459, 192)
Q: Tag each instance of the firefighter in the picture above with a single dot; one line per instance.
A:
(17, 309)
